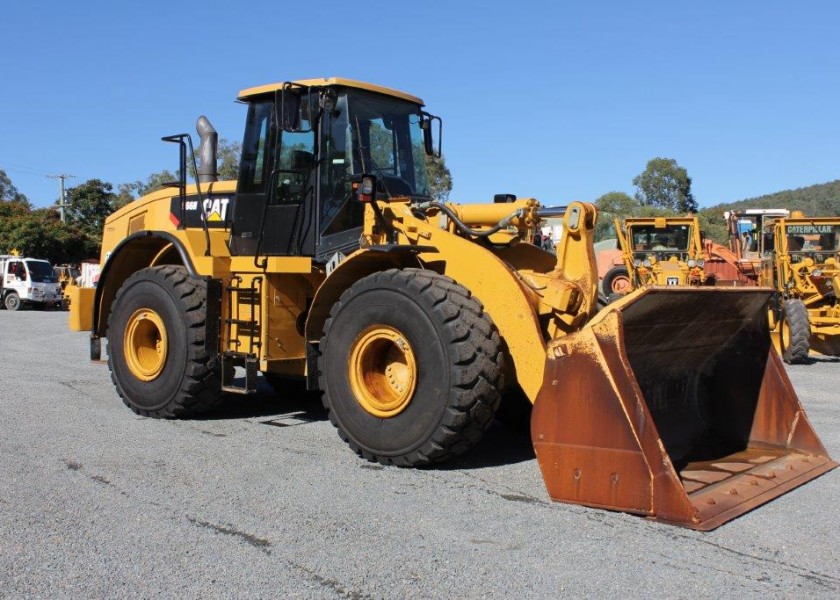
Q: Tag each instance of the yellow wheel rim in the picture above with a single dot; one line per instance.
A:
(145, 344)
(621, 285)
(784, 335)
(383, 371)
(779, 333)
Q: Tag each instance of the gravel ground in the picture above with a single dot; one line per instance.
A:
(263, 499)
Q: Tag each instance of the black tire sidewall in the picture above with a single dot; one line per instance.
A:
(795, 318)
(149, 396)
(409, 430)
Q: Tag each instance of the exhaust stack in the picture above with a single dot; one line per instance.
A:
(207, 172)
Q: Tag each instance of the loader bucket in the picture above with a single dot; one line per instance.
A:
(672, 404)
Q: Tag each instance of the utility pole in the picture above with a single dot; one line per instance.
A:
(61, 197)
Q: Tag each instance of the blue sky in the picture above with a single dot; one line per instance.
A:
(551, 99)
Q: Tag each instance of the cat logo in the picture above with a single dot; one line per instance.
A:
(215, 209)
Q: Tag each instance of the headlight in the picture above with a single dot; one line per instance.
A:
(701, 263)
(637, 263)
(816, 273)
(647, 263)
(692, 263)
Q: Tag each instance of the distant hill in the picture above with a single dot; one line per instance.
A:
(820, 200)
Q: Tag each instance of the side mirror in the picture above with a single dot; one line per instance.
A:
(327, 100)
(294, 105)
(426, 121)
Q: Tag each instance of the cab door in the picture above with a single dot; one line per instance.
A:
(275, 202)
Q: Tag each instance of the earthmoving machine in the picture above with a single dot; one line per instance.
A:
(68, 277)
(658, 251)
(28, 282)
(329, 260)
(797, 256)
(807, 269)
(751, 241)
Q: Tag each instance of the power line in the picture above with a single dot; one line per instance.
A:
(6, 166)
(61, 197)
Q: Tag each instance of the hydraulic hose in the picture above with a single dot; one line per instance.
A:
(466, 228)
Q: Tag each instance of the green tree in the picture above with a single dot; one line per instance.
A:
(8, 191)
(89, 204)
(610, 206)
(665, 184)
(228, 157)
(127, 192)
(713, 226)
(40, 234)
(12, 213)
(153, 183)
(440, 179)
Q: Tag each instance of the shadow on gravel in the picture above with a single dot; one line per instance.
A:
(507, 441)
(501, 445)
(266, 402)
(822, 358)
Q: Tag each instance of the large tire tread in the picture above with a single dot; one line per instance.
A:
(200, 390)
(475, 372)
(796, 316)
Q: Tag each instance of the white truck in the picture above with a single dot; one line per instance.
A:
(28, 281)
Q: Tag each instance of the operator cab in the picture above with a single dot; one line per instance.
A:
(662, 242)
(305, 148)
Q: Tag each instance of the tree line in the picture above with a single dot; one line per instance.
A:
(40, 233)
(663, 188)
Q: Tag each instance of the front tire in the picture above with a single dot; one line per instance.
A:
(795, 332)
(12, 301)
(617, 281)
(410, 367)
(156, 344)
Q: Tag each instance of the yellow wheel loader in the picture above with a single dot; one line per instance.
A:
(329, 261)
(661, 251)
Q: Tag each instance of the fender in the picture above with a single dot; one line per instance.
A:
(493, 282)
(137, 251)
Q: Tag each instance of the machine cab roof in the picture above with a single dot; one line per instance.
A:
(327, 82)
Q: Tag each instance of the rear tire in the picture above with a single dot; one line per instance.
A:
(617, 281)
(156, 353)
(12, 301)
(795, 332)
(410, 367)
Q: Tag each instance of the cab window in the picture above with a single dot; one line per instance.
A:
(253, 173)
(295, 163)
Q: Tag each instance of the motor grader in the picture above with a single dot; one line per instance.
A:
(798, 257)
(657, 251)
(328, 260)
(806, 266)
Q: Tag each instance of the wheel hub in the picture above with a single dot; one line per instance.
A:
(383, 371)
(145, 344)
